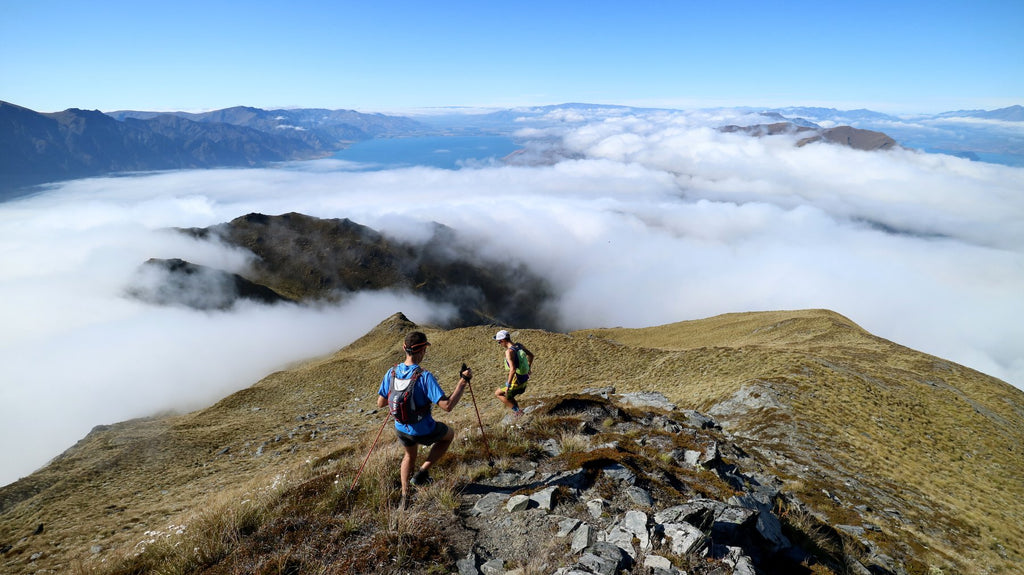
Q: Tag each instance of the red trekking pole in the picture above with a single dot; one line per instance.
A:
(358, 473)
(478, 420)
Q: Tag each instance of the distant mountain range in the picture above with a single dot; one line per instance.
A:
(993, 136)
(998, 140)
(812, 117)
(318, 127)
(1011, 114)
(38, 147)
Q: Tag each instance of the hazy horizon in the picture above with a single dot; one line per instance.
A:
(416, 111)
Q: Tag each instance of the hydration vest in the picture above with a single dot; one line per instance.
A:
(402, 398)
(522, 360)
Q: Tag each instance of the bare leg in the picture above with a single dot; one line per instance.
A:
(500, 393)
(408, 462)
(438, 450)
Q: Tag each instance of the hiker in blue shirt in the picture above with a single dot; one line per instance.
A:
(519, 361)
(421, 428)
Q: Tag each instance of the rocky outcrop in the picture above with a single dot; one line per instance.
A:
(708, 508)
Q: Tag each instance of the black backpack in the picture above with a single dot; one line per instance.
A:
(402, 399)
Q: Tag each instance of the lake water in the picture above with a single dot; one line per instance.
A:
(447, 152)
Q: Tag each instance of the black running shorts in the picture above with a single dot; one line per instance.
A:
(440, 430)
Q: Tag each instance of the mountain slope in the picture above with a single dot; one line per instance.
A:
(37, 148)
(78, 143)
(308, 259)
(878, 424)
(919, 456)
(328, 125)
(319, 129)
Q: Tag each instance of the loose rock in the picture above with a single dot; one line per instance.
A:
(517, 503)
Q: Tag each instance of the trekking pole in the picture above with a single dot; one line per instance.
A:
(358, 473)
(478, 420)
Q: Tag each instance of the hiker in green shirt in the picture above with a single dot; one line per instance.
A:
(519, 361)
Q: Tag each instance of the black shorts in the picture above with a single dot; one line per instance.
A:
(440, 430)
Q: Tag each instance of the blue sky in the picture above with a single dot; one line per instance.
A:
(891, 56)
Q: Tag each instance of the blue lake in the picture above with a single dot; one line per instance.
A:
(447, 152)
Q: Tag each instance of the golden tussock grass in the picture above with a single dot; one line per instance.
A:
(883, 426)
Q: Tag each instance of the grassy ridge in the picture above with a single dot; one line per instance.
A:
(928, 449)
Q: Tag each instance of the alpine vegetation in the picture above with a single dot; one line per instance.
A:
(775, 442)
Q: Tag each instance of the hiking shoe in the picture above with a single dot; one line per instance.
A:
(517, 414)
(403, 503)
(421, 478)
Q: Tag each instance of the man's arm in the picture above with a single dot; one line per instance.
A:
(448, 403)
(382, 391)
(510, 361)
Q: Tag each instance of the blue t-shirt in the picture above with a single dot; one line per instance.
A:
(427, 391)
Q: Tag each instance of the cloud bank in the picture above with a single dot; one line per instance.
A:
(636, 220)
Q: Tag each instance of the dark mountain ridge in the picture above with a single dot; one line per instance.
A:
(37, 148)
(301, 258)
(855, 138)
(178, 282)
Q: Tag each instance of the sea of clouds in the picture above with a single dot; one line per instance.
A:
(635, 219)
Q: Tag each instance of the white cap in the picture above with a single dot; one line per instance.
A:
(501, 335)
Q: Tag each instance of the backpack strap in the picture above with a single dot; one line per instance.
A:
(413, 380)
(516, 348)
(392, 376)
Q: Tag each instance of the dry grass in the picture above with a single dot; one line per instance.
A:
(882, 426)
(307, 522)
(571, 442)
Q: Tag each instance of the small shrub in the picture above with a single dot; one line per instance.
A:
(572, 442)
(806, 531)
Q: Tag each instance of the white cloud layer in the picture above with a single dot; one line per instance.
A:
(656, 219)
